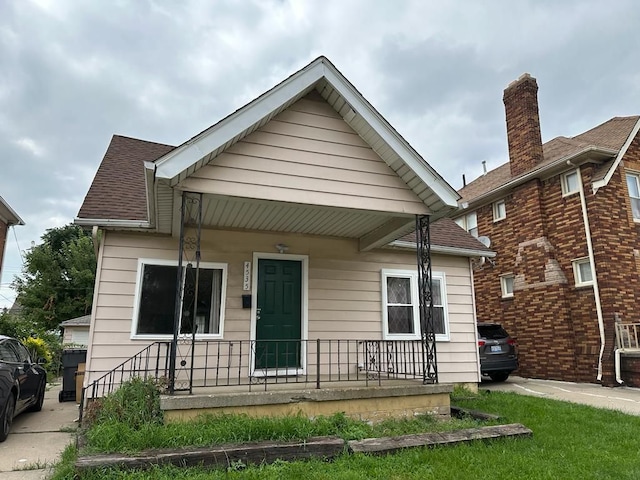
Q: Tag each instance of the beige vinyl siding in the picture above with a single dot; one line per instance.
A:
(308, 155)
(344, 292)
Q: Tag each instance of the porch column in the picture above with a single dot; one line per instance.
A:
(176, 311)
(425, 300)
(182, 351)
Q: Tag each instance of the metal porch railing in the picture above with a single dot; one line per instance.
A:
(628, 336)
(260, 364)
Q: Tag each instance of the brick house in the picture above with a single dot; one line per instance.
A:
(564, 219)
(8, 218)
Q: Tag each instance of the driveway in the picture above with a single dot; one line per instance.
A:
(37, 439)
(625, 399)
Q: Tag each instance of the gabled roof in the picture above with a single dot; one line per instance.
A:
(602, 142)
(8, 215)
(83, 321)
(118, 189)
(322, 76)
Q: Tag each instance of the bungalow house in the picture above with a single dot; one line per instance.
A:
(264, 252)
(564, 220)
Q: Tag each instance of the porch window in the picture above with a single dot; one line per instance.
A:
(400, 311)
(156, 295)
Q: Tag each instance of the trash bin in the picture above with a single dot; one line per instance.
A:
(70, 360)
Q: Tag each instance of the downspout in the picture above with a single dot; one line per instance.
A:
(592, 264)
(475, 319)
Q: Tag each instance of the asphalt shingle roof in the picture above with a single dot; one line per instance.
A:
(610, 135)
(447, 233)
(118, 189)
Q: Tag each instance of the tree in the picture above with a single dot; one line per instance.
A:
(57, 277)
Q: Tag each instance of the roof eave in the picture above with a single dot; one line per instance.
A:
(9, 214)
(445, 250)
(113, 223)
(414, 161)
(184, 156)
(574, 159)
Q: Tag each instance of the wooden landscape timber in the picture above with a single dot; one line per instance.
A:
(385, 445)
(226, 456)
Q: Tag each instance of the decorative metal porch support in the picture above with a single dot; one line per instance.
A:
(425, 300)
(181, 360)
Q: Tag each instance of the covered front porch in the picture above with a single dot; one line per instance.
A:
(367, 379)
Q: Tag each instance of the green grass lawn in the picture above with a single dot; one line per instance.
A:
(569, 442)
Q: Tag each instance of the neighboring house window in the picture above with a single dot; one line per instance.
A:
(506, 285)
(582, 272)
(499, 210)
(401, 314)
(469, 222)
(156, 299)
(570, 183)
(633, 184)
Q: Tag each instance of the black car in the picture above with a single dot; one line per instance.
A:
(498, 354)
(22, 383)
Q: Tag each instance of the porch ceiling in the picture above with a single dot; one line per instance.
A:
(371, 227)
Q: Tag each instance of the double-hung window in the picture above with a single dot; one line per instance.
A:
(570, 183)
(506, 285)
(469, 222)
(582, 272)
(201, 307)
(499, 210)
(400, 310)
(633, 185)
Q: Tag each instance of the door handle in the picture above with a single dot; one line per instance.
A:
(258, 310)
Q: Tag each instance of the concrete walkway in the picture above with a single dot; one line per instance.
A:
(625, 399)
(37, 439)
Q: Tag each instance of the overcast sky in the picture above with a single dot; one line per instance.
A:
(73, 73)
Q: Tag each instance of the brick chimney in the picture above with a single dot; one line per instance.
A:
(523, 124)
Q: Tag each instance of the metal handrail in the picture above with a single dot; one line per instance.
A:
(259, 364)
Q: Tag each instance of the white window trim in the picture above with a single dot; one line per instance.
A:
(635, 175)
(413, 276)
(496, 211)
(463, 222)
(503, 285)
(565, 187)
(136, 305)
(576, 271)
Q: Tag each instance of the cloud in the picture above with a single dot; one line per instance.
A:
(74, 73)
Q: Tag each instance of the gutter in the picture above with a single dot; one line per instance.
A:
(535, 173)
(109, 222)
(592, 264)
(443, 250)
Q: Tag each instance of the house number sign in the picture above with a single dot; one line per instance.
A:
(246, 277)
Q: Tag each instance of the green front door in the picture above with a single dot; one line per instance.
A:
(278, 314)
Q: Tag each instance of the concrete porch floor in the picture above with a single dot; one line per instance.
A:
(393, 398)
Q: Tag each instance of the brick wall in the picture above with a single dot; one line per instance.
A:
(630, 370)
(555, 322)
